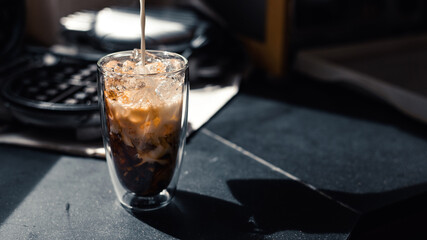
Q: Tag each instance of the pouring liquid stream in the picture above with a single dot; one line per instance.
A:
(142, 17)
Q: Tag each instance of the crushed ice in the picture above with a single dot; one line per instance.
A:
(165, 86)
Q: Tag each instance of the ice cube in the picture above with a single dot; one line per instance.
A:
(128, 67)
(134, 83)
(157, 67)
(141, 69)
(136, 55)
(118, 69)
(172, 65)
(151, 58)
(167, 89)
(151, 68)
(110, 65)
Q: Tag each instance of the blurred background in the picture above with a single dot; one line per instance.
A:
(306, 23)
(48, 48)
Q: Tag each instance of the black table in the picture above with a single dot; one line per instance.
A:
(298, 160)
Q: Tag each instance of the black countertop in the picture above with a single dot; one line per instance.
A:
(302, 160)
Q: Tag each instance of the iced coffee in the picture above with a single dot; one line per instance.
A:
(144, 109)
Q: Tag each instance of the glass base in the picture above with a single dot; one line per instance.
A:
(134, 203)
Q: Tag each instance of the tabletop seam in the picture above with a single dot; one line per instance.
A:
(272, 167)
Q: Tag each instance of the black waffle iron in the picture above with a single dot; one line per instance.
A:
(53, 92)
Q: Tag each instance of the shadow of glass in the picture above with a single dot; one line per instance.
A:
(194, 216)
(402, 219)
(20, 171)
(368, 202)
(268, 206)
(278, 205)
(284, 204)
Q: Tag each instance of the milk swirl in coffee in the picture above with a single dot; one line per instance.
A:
(143, 106)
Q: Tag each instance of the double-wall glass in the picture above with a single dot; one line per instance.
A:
(144, 120)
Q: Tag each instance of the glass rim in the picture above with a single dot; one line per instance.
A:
(129, 52)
